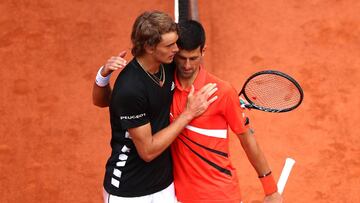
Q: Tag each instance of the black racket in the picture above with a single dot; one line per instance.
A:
(271, 91)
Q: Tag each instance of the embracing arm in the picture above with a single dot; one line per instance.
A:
(150, 146)
(101, 93)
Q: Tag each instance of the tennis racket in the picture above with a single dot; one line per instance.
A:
(271, 91)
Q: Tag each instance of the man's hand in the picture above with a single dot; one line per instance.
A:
(114, 63)
(273, 198)
(198, 102)
(101, 95)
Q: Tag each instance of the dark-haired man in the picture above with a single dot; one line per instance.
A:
(202, 169)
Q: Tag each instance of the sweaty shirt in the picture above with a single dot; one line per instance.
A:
(202, 168)
(137, 100)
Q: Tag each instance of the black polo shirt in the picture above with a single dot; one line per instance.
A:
(137, 100)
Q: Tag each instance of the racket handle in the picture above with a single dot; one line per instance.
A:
(289, 163)
(244, 104)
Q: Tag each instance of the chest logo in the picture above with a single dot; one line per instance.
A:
(172, 86)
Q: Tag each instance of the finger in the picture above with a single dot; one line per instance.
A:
(205, 87)
(212, 100)
(211, 92)
(114, 67)
(118, 64)
(122, 54)
(208, 88)
(120, 60)
(113, 58)
(117, 60)
(192, 89)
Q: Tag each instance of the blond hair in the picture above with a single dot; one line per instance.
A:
(148, 28)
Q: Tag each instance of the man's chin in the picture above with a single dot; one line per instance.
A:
(167, 61)
(186, 75)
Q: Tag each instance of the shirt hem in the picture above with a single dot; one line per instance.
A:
(137, 194)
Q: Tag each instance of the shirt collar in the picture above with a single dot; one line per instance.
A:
(198, 83)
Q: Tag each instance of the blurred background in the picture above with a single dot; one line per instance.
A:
(54, 142)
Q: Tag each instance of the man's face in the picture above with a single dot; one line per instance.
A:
(188, 63)
(165, 51)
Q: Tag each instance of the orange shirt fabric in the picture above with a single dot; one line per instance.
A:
(202, 168)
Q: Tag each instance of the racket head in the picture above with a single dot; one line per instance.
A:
(272, 91)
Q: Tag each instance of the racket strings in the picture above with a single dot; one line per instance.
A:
(272, 91)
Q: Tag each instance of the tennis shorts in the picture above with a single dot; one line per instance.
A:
(166, 195)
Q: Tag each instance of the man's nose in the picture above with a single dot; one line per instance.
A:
(187, 64)
(176, 48)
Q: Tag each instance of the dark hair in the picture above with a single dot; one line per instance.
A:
(191, 35)
(148, 28)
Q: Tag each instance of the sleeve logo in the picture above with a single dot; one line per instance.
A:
(132, 116)
(172, 86)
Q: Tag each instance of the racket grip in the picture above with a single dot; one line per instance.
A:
(242, 101)
(289, 163)
(244, 104)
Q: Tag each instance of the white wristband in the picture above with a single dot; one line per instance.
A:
(100, 80)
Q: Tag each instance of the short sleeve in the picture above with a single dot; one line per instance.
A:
(131, 108)
(233, 113)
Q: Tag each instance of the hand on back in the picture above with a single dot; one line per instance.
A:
(114, 63)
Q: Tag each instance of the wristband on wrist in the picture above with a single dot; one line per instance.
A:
(268, 183)
(100, 80)
(264, 175)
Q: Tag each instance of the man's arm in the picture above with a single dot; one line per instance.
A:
(101, 93)
(150, 146)
(239, 123)
(253, 152)
(258, 161)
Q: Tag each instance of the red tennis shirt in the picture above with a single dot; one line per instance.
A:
(202, 168)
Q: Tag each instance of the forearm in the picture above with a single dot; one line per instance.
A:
(101, 89)
(254, 153)
(196, 105)
(258, 161)
(101, 95)
(160, 141)
(150, 146)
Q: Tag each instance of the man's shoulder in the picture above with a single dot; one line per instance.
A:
(226, 92)
(130, 80)
(130, 70)
(170, 67)
(222, 85)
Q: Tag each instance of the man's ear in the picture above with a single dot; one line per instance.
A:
(203, 50)
(149, 49)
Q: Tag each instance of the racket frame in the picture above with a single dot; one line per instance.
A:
(274, 72)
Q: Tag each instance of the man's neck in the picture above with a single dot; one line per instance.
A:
(187, 82)
(148, 63)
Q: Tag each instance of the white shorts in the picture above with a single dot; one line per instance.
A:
(166, 195)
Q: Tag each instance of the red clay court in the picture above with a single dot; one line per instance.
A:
(54, 142)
